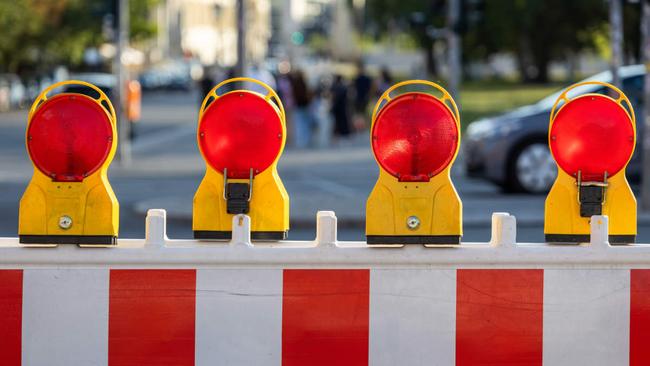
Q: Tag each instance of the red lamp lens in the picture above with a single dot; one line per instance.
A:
(414, 137)
(69, 137)
(593, 134)
(239, 131)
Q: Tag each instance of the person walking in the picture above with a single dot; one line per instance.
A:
(362, 85)
(206, 83)
(385, 81)
(285, 92)
(302, 118)
(340, 110)
(321, 107)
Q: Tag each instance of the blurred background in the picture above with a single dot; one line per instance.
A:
(504, 62)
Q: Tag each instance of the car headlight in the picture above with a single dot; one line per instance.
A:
(480, 129)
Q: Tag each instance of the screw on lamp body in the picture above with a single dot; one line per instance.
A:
(413, 222)
(65, 222)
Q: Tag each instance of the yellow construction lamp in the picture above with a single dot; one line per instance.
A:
(592, 138)
(71, 139)
(415, 138)
(241, 135)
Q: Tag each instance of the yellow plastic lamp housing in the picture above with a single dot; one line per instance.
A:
(241, 135)
(592, 138)
(415, 138)
(71, 140)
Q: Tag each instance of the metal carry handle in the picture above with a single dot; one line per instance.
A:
(445, 97)
(270, 95)
(622, 98)
(250, 183)
(43, 96)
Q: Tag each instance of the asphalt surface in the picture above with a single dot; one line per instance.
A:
(166, 169)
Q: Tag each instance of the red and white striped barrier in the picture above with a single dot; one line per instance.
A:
(166, 302)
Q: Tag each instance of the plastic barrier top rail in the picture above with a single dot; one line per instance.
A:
(326, 251)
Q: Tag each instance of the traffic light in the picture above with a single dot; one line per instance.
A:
(71, 139)
(241, 135)
(592, 138)
(415, 138)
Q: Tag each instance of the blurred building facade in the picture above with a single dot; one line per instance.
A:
(292, 19)
(207, 30)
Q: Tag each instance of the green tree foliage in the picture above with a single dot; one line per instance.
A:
(416, 16)
(37, 34)
(539, 31)
(141, 26)
(536, 32)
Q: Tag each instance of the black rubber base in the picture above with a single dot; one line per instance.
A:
(408, 239)
(567, 238)
(68, 239)
(227, 235)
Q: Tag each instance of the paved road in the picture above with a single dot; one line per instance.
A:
(167, 168)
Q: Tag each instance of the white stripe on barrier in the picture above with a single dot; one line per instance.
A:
(427, 335)
(65, 317)
(238, 317)
(586, 317)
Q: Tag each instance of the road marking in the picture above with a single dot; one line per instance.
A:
(332, 187)
(161, 138)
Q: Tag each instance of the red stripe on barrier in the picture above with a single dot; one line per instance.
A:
(151, 317)
(11, 316)
(639, 317)
(499, 317)
(325, 317)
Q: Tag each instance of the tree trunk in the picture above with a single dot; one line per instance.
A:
(522, 66)
(572, 65)
(430, 59)
(541, 64)
(523, 60)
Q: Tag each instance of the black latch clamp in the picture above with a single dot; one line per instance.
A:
(591, 196)
(237, 195)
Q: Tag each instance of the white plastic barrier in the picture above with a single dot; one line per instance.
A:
(324, 302)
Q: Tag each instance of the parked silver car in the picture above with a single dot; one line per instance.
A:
(512, 151)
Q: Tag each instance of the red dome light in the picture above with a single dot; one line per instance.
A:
(69, 137)
(239, 131)
(593, 134)
(414, 137)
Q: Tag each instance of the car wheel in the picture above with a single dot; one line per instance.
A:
(531, 168)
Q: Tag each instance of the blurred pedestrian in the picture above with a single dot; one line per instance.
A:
(340, 110)
(258, 72)
(207, 82)
(283, 82)
(302, 117)
(229, 73)
(285, 92)
(385, 81)
(321, 106)
(362, 85)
